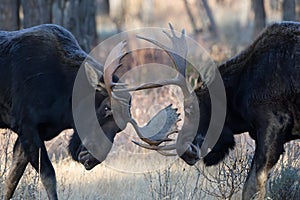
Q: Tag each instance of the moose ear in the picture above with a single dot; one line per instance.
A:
(93, 75)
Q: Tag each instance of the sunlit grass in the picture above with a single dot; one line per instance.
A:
(134, 173)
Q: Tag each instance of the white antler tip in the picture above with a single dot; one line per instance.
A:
(183, 32)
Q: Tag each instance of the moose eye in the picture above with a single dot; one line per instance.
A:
(107, 108)
(107, 111)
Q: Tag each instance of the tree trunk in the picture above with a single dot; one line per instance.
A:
(9, 15)
(79, 17)
(289, 10)
(259, 16)
(213, 26)
(297, 10)
(36, 12)
(103, 8)
(191, 17)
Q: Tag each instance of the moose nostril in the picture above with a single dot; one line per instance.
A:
(193, 151)
(81, 155)
(191, 154)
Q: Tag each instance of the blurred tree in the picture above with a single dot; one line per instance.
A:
(9, 15)
(104, 7)
(77, 16)
(206, 18)
(289, 10)
(259, 16)
(119, 12)
(213, 26)
(297, 10)
(191, 17)
(36, 12)
(147, 11)
(275, 4)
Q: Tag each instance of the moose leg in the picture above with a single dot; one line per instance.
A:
(270, 136)
(249, 188)
(37, 156)
(18, 166)
(42, 164)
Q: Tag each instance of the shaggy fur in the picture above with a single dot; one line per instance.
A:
(262, 85)
(38, 68)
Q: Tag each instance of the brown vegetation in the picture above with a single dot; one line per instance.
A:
(124, 177)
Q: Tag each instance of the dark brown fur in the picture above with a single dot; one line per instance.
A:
(38, 68)
(262, 86)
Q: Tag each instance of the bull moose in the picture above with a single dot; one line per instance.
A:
(38, 67)
(262, 85)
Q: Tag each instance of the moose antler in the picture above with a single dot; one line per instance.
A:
(121, 100)
(165, 120)
(178, 54)
(119, 92)
(113, 60)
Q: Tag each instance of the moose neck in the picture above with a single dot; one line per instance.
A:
(231, 72)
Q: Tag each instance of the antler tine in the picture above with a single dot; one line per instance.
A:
(160, 149)
(149, 85)
(166, 153)
(179, 48)
(172, 30)
(112, 63)
(157, 148)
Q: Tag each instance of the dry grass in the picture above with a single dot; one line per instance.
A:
(134, 173)
(175, 181)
